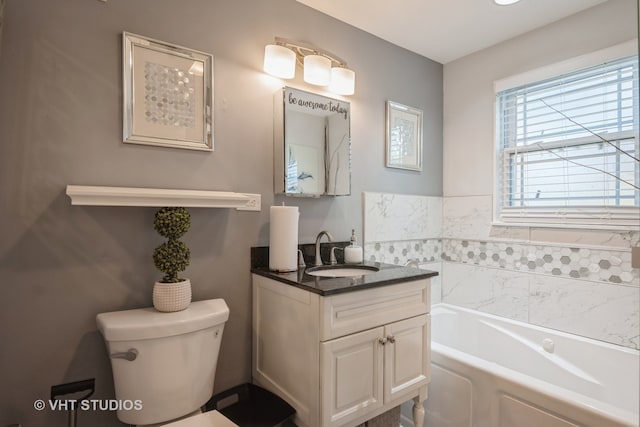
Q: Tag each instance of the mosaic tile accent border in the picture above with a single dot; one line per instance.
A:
(597, 265)
(400, 252)
(610, 266)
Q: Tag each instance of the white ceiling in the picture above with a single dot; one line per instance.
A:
(445, 30)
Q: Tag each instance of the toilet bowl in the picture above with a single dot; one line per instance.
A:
(166, 362)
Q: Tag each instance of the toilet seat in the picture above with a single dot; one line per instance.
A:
(206, 419)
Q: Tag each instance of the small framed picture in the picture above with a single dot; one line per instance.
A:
(404, 137)
(168, 94)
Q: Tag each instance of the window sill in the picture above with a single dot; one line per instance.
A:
(619, 218)
(577, 226)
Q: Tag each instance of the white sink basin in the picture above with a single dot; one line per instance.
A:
(341, 270)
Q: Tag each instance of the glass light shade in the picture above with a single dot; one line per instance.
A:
(505, 2)
(317, 70)
(343, 81)
(279, 61)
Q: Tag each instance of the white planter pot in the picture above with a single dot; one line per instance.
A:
(170, 297)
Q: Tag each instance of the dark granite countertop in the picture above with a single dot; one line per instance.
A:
(389, 274)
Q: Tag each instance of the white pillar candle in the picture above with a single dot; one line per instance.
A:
(283, 238)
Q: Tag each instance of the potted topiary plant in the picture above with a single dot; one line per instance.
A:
(172, 293)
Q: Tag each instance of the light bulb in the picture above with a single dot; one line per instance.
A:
(343, 81)
(317, 70)
(279, 61)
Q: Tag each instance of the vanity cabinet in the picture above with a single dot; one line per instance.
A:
(366, 370)
(342, 359)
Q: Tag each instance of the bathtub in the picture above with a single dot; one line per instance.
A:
(489, 371)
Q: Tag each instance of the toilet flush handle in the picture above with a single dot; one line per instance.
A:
(129, 355)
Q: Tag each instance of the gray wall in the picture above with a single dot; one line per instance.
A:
(61, 123)
(2, 2)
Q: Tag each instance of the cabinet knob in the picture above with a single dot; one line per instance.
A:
(382, 341)
(391, 339)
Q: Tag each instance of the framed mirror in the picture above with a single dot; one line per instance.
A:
(312, 144)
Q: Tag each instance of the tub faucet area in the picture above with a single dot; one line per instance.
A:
(318, 260)
(412, 263)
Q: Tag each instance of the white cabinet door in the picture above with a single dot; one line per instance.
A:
(351, 369)
(407, 356)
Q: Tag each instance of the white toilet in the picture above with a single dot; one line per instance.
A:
(164, 364)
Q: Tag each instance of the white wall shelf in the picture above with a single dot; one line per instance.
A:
(85, 195)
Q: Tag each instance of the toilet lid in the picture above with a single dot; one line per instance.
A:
(207, 419)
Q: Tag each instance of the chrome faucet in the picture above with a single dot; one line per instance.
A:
(320, 234)
(332, 258)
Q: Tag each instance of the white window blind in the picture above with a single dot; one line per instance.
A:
(568, 149)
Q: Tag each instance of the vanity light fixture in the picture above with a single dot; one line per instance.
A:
(321, 68)
(505, 2)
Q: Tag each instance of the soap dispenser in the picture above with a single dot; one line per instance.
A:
(353, 252)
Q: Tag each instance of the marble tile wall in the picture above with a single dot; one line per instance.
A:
(399, 228)
(399, 217)
(469, 218)
(606, 312)
(577, 281)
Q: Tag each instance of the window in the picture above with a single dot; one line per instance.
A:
(568, 150)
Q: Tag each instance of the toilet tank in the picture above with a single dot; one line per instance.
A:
(163, 364)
